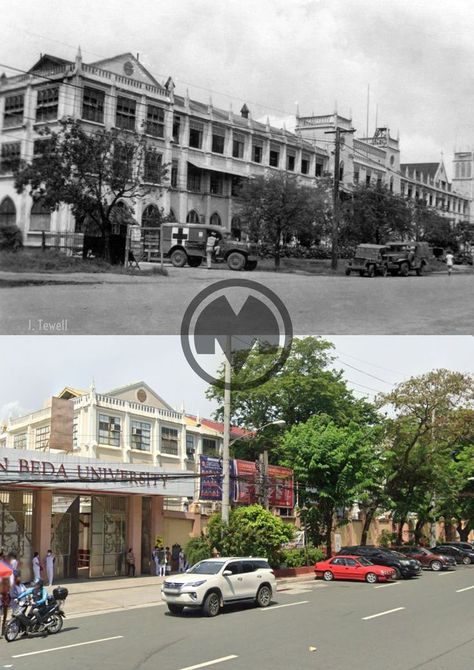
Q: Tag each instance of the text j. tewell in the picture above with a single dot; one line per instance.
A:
(42, 326)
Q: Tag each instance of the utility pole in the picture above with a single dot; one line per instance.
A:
(226, 437)
(335, 194)
(264, 475)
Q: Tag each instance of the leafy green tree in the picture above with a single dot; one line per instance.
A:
(198, 549)
(374, 215)
(333, 465)
(92, 172)
(307, 384)
(276, 207)
(251, 531)
(431, 227)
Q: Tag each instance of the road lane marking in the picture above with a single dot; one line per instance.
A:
(68, 646)
(443, 574)
(384, 586)
(277, 607)
(468, 588)
(113, 610)
(374, 616)
(207, 663)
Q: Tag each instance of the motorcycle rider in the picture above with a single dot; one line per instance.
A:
(39, 598)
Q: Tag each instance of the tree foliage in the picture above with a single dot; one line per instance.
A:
(251, 531)
(91, 171)
(276, 207)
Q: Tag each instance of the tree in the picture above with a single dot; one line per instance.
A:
(333, 465)
(92, 172)
(275, 208)
(251, 531)
(433, 418)
(307, 384)
(431, 227)
(374, 215)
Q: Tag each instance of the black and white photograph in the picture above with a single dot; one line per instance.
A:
(237, 334)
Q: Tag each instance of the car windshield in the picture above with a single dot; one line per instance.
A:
(364, 561)
(398, 554)
(206, 567)
(397, 247)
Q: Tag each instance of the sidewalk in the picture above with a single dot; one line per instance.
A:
(94, 596)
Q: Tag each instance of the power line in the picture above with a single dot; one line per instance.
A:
(368, 374)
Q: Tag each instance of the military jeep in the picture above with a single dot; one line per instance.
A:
(405, 257)
(368, 261)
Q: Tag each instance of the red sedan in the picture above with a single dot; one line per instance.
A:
(353, 567)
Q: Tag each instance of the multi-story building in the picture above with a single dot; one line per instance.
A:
(92, 474)
(208, 150)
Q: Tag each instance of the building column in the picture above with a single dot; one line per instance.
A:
(134, 529)
(43, 501)
(157, 519)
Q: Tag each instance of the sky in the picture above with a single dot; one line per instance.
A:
(416, 55)
(32, 369)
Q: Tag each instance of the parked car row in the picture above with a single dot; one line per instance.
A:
(396, 258)
(379, 564)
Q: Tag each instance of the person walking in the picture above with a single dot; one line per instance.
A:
(210, 244)
(49, 563)
(155, 554)
(5, 600)
(130, 559)
(181, 560)
(162, 562)
(36, 566)
(449, 262)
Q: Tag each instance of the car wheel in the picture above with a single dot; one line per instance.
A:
(211, 605)
(236, 261)
(466, 560)
(194, 261)
(176, 610)
(371, 578)
(371, 271)
(264, 596)
(398, 574)
(404, 269)
(178, 258)
(436, 566)
(328, 576)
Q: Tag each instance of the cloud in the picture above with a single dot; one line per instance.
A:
(11, 409)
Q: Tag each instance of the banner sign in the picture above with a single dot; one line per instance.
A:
(245, 489)
(281, 486)
(211, 478)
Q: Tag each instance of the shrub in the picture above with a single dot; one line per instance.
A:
(297, 558)
(10, 237)
(386, 538)
(197, 549)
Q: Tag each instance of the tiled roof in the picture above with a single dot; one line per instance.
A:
(429, 169)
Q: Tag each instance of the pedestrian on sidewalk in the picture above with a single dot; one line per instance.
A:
(167, 561)
(155, 554)
(36, 566)
(449, 262)
(49, 563)
(181, 560)
(162, 562)
(5, 600)
(210, 245)
(130, 559)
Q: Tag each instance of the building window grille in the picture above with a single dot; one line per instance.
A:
(194, 178)
(40, 217)
(218, 140)
(215, 220)
(238, 144)
(47, 104)
(169, 441)
(10, 157)
(190, 448)
(209, 447)
(236, 186)
(109, 430)
(257, 151)
(217, 183)
(7, 212)
(42, 437)
(196, 130)
(318, 170)
(305, 165)
(20, 441)
(14, 107)
(274, 157)
(93, 105)
(155, 121)
(152, 167)
(123, 155)
(125, 113)
(356, 176)
(40, 147)
(192, 217)
(176, 128)
(290, 162)
(140, 437)
(174, 174)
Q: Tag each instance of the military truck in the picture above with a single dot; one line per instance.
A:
(368, 261)
(405, 257)
(186, 243)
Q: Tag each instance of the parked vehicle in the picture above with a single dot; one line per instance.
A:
(469, 546)
(427, 557)
(463, 258)
(405, 257)
(33, 619)
(403, 566)
(461, 554)
(368, 261)
(215, 582)
(186, 243)
(353, 567)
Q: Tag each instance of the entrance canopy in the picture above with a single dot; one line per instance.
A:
(67, 471)
(220, 165)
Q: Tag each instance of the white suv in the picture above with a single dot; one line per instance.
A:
(214, 582)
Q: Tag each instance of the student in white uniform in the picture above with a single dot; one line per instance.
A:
(49, 562)
(36, 566)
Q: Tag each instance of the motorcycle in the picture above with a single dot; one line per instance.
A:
(34, 620)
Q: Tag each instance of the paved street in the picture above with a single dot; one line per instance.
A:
(425, 623)
(98, 305)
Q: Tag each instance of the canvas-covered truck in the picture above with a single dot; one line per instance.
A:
(185, 243)
(368, 261)
(405, 257)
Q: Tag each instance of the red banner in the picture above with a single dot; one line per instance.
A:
(281, 486)
(279, 482)
(245, 481)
